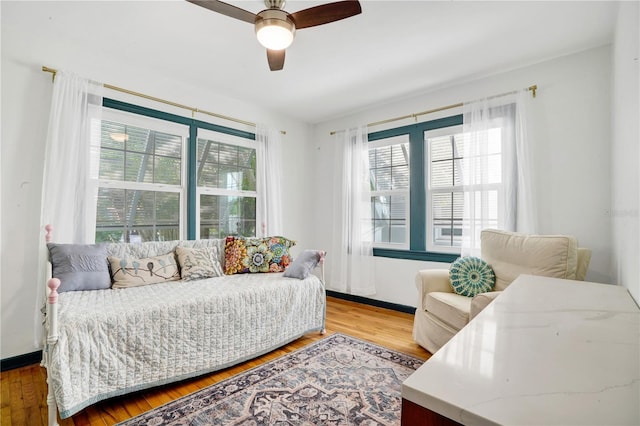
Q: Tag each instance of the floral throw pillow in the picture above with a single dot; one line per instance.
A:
(252, 255)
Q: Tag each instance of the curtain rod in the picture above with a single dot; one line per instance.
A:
(533, 90)
(164, 101)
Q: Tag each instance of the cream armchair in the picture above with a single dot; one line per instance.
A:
(441, 313)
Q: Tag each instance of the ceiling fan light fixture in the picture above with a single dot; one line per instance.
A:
(274, 29)
(119, 137)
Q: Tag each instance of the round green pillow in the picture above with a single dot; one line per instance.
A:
(470, 276)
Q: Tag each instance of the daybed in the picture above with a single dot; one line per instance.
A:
(111, 341)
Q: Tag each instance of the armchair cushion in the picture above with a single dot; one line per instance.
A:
(511, 254)
(449, 307)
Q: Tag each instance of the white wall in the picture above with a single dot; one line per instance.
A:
(27, 44)
(625, 168)
(571, 155)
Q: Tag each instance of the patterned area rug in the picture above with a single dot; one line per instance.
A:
(339, 380)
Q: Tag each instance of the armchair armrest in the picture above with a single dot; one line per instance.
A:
(481, 301)
(584, 258)
(430, 280)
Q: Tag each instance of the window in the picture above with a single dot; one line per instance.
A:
(389, 170)
(226, 185)
(152, 181)
(419, 191)
(449, 153)
(141, 188)
(445, 199)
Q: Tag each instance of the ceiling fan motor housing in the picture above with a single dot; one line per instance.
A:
(274, 4)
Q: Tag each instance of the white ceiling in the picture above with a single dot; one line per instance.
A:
(393, 49)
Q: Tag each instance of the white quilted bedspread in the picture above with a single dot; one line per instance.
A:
(120, 340)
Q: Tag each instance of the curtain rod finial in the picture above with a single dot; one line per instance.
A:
(52, 71)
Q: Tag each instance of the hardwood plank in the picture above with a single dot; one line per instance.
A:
(5, 400)
(18, 409)
(24, 390)
(5, 415)
(39, 378)
(29, 397)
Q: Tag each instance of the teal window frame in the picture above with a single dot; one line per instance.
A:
(417, 190)
(192, 148)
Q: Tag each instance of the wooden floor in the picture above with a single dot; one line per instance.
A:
(24, 389)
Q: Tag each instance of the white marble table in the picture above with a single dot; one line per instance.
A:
(545, 352)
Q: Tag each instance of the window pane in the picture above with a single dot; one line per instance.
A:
(446, 212)
(167, 170)
(398, 207)
(208, 175)
(441, 205)
(111, 164)
(441, 174)
(230, 178)
(383, 157)
(134, 154)
(389, 167)
(228, 154)
(400, 177)
(225, 215)
(245, 156)
(110, 214)
(168, 145)
(389, 219)
(138, 140)
(447, 233)
(484, 202)
(382, 179)
(397, 231)
(134, 215)
(112, 134)
(380, 208)
(445, 153)
(137, 168)
(399, 154)
(441, 148)
(139, 207)
(226, 166)
(167, 208)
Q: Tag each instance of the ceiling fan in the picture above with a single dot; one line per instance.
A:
(275, 28)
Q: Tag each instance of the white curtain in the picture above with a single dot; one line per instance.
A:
(352, 266)
(70, 173)
(269, 182)
(527, 207)
(496, 168)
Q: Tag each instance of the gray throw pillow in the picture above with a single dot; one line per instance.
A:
(303, 264)
(80, 266)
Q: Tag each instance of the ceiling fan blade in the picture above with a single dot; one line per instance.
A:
(276, 59)
(226, 9)
(326, 13)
